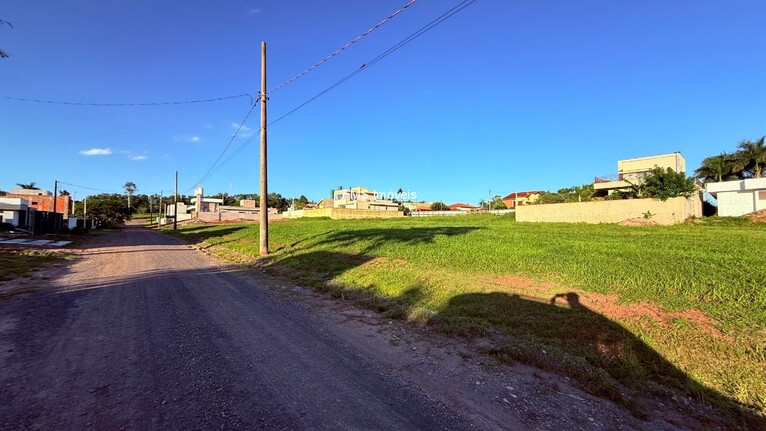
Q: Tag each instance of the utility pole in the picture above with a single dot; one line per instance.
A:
(55, 192)
(489, 201)
(264, 219)
(159, 226)
(85, 214)
(175, 204)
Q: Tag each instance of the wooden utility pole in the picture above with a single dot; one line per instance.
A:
(55, 192)
(264, 204)
(175, 205)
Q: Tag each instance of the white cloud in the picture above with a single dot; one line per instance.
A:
(253, 10)
(244, 131)
(139, 158)
(97, 152)
(187, 138)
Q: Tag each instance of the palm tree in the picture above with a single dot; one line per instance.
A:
(4, 54)
(723, 167)
(752, 154)
(28, 186)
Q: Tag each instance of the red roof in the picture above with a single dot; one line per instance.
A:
(461, 205)
(521, 194)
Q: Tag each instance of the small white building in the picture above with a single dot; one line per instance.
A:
(16, 211)
(736, 198)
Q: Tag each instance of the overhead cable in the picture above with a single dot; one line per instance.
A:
(180, 102)
(443, 17)
(343, 48)
(233, 136)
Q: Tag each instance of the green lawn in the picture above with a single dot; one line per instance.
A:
(15, 263)
(656, 307)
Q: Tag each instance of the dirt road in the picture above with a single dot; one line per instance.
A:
(144, 332)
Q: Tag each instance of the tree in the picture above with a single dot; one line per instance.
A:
(581, 193)
(301, 202)
(752, 154)
(130, 188)
(723, 167)
(106, 209)
(667, 183)
(275, 200)
(439, 206)
(497, 203)
(28, 186)
(4, 54)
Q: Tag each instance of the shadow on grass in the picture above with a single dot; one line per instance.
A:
(561, 335)
(379, 236)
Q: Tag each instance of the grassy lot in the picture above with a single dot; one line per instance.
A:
(17, 263)
(616, 308)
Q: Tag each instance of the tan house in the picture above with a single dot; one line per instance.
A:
(361, 198)
(521, 198)
(633, 171)
(463, 207)
(418, 206)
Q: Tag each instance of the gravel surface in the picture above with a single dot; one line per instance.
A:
(145, 332)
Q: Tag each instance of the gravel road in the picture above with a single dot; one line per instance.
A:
(144, 332)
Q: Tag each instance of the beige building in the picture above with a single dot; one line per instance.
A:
(635, 170)
(360, 198)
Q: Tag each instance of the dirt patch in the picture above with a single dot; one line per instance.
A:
(638, 221)
(607, 305)
(757, 217)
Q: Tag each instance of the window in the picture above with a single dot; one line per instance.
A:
(762, 196)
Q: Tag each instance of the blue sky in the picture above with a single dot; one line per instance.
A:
(504, 96)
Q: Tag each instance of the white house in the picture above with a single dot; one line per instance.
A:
(736, 198)
(15, 211)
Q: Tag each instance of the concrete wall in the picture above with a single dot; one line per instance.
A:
(438, 213)
(734, 204)
(672, 211)
(234, 216)
(342, 213)
(739, 197)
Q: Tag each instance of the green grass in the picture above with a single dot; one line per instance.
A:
(15, 263)
(482, 275)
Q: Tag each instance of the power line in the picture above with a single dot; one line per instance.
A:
(88, 188)
(233, 136)
(440, 19)
(181, 102)
(343, 48)
(443, 17)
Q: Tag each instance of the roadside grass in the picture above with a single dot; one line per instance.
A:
(19, 263)
(613, 307)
